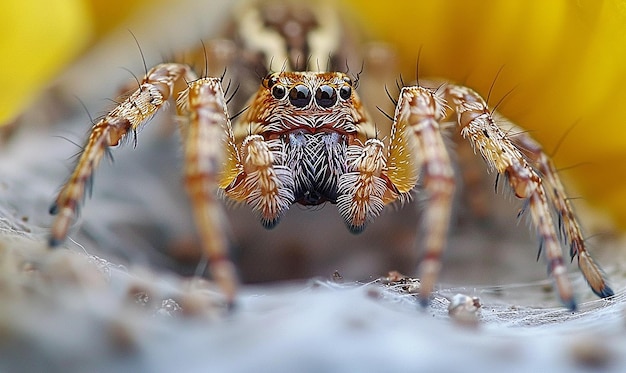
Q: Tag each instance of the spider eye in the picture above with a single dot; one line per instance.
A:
(347, 80)
(278, 91)
(270, 80)
(300, 95)
(326, 96)
(345, 92)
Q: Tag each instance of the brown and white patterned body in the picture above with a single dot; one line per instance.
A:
(306, 138)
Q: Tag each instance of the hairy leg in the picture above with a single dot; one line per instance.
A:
(207, 138)
(417, 118)
(159, 84)
(503, 155)
(568, 224)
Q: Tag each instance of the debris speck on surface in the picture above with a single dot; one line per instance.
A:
(463, 309)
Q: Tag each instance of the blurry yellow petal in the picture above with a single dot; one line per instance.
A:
(36, 39)
(566, 60)
(107, 15)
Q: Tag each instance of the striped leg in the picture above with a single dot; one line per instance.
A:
(206, 132)
(502, 154)
(568, 224)
(159, 84)
(207, 138)
(417, 118)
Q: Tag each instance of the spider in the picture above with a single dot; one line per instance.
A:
(305, 137)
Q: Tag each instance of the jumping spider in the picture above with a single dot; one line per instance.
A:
(306, 138)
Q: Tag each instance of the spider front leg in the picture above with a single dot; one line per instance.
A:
(206, 133)
(417, 145)
(159, 84)
(568, 224)
(501, 153)
(207, 137)
(379, 176)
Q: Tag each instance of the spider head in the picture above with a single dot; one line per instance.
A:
(310, 101)
(310, 90)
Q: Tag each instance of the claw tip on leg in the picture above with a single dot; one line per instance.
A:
(570, 304)
(424, 302)
(54, 209)
(53, 242)
(604, 292)
(231, 306)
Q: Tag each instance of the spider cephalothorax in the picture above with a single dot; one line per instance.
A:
(302, 125)
(306, 138)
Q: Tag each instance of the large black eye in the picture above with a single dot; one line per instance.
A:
(345, 92)
(300, 95)
(325, 96)
(278, 91)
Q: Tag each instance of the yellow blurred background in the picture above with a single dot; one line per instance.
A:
(565, 59)
(39, 38)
